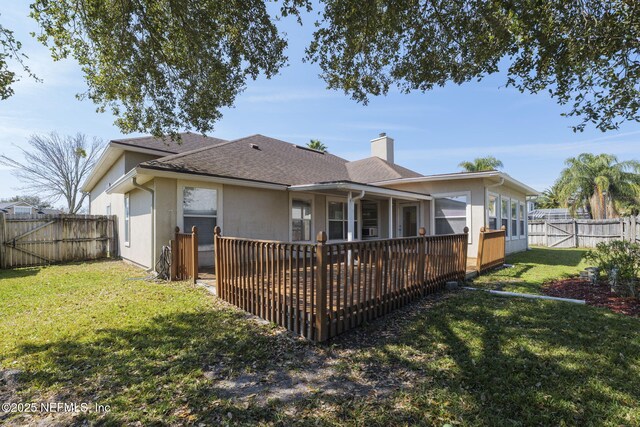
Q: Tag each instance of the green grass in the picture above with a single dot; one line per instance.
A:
(531, 269)
(85, 333)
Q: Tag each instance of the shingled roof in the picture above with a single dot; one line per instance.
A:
(263, 159)
(187, 142)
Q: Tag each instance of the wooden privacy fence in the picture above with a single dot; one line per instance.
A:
(29, 240)
(321, 290)
(491, 249)
(582, 233)
(184, 255)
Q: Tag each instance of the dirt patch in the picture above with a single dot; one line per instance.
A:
(598, 295)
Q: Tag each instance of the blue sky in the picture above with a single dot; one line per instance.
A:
(433, 131)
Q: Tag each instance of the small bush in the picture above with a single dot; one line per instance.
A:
(621, 262)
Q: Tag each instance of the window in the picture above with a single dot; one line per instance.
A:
(450, 214)
(369, 219)
(126, 220)
(492, 212)
(22, 210)
(514, 218)
(504, 215)
(337, 218)
(523, 230)
(200, 209)
(300, 220)
(108, 209)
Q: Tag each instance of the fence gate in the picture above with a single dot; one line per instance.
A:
(28, 240)
(582, 233)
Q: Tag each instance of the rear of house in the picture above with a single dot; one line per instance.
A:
(262, 188)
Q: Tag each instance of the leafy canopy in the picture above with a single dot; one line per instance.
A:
(165, 65)
(601, 183)
(480, 164)
(316, 144)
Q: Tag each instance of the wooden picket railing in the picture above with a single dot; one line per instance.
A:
(184, 255)
(322, 290)
(491, 249)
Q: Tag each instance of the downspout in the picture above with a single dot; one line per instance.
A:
(153, 220)
(351, 214)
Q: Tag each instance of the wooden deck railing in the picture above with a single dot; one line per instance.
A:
(184, 255)
(322, 290)
(491, 249)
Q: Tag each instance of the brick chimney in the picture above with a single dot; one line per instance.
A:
(382, 147)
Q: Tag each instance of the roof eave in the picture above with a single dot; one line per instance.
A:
(351, 186)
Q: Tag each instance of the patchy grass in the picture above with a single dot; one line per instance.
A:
(169, 354)
(531, 269)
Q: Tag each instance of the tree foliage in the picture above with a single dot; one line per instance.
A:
(55, 167)
(480, 164)
(550, 198)
(316, 144)
(600, 183)
(10, 50)
(164, 65)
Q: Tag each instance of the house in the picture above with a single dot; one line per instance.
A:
(23, 208)
(263, 188)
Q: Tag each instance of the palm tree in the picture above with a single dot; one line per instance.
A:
(600, 183)
(315, 144)
(550, 198)
(480, 164)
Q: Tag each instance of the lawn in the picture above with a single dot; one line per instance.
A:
(170, 354)
(531, 269)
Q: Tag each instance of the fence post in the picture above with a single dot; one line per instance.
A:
(194, 252)
(546, 233)
(421, 258)
(465, 249)
(575, 233)
(216, 260)
(321, 291)
(632, 229)
(480, 249)
(3, 253)
(503, 228)
(175, 255)
(173, 248)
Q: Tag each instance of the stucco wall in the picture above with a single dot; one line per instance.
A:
(138, 248)
(256, 213)
(165, 212)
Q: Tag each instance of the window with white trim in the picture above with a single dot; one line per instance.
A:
(22, 210)
(451, 214)
(492, 212)
(200, 209)
(514, 218)
(300, 220)
(127, 220)
(338, 220)
(523, 225)
(108, 209)
(504, 214)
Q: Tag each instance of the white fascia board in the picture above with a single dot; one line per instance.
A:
(346, 186)
(208, 178)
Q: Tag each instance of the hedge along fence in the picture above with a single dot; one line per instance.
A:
(322, 290)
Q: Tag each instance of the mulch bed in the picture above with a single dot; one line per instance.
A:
(599, 295)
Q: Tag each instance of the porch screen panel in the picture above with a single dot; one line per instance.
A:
(200, 208)
(450, 214)
(514, 218)
(504, 215)
(338, 221)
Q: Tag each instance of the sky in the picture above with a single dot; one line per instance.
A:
(433, 131)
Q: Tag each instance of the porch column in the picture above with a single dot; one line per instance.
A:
(390, 217)
(350, 217)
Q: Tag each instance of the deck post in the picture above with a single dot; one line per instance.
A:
(391, 217)
(480, 249)
(322, 327)
(175, 249)
(421, 258)
(194, 253)
(465, 249)
(216, 259)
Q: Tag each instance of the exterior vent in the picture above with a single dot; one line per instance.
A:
(254, 146)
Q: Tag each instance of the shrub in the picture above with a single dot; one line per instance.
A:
(621, 256)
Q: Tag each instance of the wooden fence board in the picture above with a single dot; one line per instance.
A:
(582, 233)
(29, 240)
